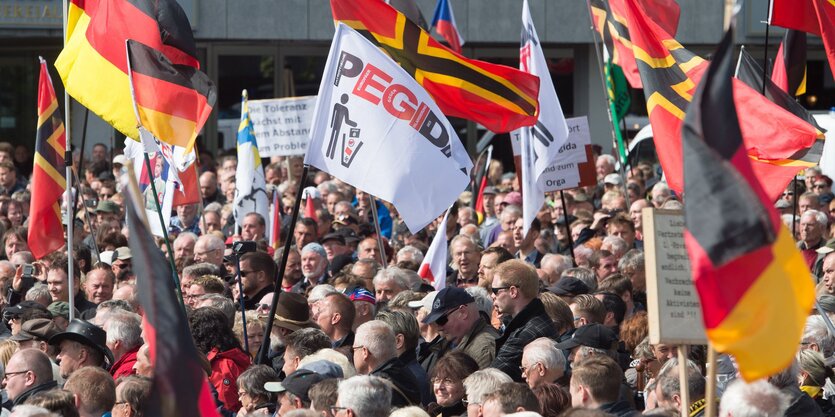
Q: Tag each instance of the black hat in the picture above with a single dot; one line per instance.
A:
(569, 286)
(447, 299)
(565, 220)
(87, 334)
(592, 335)
(298, 383)
(348, 234)
(333, 236)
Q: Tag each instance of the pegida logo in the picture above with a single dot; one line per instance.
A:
(350, 141)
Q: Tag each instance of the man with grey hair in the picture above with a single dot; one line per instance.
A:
(816, 336)
(314, 267)
(124, 338)
(410, 253)
(586, 275)
(407, 336)
(554, 265)
(466, 256)
(388, 283)
(660, 194)
(375, 353)
(757, 399)
(542, 362)
(668, 387)
(604, 166)
(812, 237)
(456, 315)
(220, 302)
(209, 248)
(363, 396)
(184, 246)
(197, 270)
(616, 245)
(481, 384)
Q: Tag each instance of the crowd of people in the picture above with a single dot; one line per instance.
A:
(548, 323)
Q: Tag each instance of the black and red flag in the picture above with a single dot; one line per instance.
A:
(772, 135)
(810, 16)
(180, 387)
(49, 180)
(789, 71)
(752, 281)
(498, 97)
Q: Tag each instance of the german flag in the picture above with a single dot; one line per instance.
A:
(180, 387)
(498, 97)
(609, 19)
(172, 101)
(48, 175)
(754, 287)
(670, 74)
(93, 63)
(810, 16)
(789, 71)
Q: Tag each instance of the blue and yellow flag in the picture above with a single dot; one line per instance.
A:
(250, 184)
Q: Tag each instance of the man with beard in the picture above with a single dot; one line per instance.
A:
(256, 275)
(314, 267)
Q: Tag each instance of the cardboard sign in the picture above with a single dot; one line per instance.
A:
(673, 307)
(282, 125)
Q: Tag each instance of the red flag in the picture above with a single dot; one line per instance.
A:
(670, 74)
(310, 209)
(181, 387)
(48, 175)
(789, 71)
(812, 16)
(497, 96)
(189, 191)
(444, 24)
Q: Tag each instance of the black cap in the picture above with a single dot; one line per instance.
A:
(87, 334)
(447, 299)
(592, 335)
(298, 383)
(565, 220)
(333, 236)
(348, 234)
(569, 286)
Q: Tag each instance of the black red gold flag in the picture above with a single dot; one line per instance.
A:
(789, 71)
(751, 279)
(810, 16)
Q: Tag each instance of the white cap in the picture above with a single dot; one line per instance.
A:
(613, 179)
(426, 302)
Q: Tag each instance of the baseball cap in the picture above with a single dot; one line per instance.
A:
(489, 190)
(613, 179)
(425, 302)
(513, 197)
(334, 236)
(593, 335)
(361, 294)
(327, 369)
(565, 220)
(36, 329)
(60, 309)
(119, 159)
(569, 286)
(107, 206)
(298, 383)
(447, 299)
(122, 253)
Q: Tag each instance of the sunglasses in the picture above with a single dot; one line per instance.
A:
(441, 321)
(496, 290)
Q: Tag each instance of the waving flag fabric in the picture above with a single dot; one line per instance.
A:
(371, 117)
(498, 97)
(670, 73)
(444, 23)
(811, 16)
(180, 386)
(541, 142)
(49, 180)
(790, 65)
(172, 101)
(93, 63)
(433, 268)
(752, 282)
(250, 183)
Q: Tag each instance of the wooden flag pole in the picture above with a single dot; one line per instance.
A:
(373, 202)
(684, 392)
(568, 229)
(710, 398)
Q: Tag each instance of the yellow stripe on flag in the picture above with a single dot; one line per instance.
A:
(764, 328)
(170, 128)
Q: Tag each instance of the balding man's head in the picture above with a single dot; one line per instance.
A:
(28, 368)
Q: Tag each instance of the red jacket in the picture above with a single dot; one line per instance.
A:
(226, 367)
(124, 366)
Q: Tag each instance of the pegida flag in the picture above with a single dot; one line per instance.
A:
(375, 128)
(48, 174)
(752, 282)
(498, 97)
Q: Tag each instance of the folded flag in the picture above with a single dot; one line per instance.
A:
(498, 97)
(790, 65)
(811, 16)
(752, 281)
(433, 267)
(444, 23)
(49, 181)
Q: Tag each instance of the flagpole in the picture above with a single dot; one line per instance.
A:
(164, 229)
(568, 229)
(373, 201)
(83, 139)
(609, 108)
(68, 173)
(263, 353)
(765, 45)
(710, 398)
(240, 280)
(89, 224)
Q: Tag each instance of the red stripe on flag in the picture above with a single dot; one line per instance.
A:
(165, 97)
(191, 191)
(448, 31)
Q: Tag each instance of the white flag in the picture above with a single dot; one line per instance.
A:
(250, 184)
(377, 129)
(542, 141)
(434, 263)
(163, 175)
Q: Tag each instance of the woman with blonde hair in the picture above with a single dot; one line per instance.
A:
(254, 331)
(813, 376)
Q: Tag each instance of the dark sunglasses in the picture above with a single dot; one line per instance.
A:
(441, 321)
(497, 289)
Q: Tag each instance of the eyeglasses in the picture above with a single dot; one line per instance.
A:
(9, 375)
(245, 273)
(787, 193)
(443, 381)
(525, 369)
(819, 186)
(496, 290)
(334, 409)
(356, 348)
(467, 402)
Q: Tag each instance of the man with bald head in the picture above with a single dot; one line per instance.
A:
(184, 246)
(209, 190)
(635, 214)
(29, 371)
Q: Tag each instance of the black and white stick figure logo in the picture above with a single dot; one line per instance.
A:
(350, 140)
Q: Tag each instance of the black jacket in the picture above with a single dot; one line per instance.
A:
(530, 324)
(620, 409)
(800, 404)
(406, 391)
(51, 385)
(430, 352)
